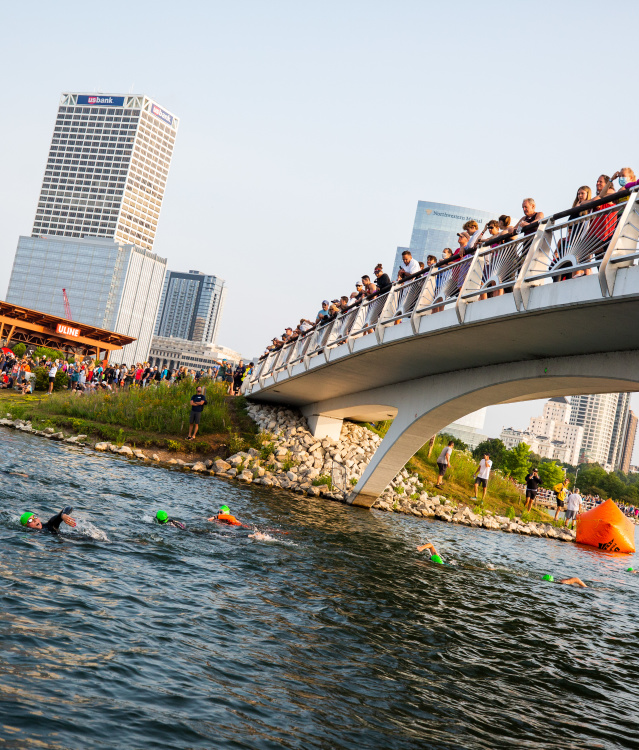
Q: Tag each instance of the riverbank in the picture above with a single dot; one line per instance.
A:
(290, 458)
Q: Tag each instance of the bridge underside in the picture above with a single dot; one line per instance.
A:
(422, 407)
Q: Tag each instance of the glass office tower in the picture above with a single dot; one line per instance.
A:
(435, 227)
(191, 306)
(107, 168)
(109, 285)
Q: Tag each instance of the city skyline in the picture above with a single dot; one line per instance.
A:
(279, 163)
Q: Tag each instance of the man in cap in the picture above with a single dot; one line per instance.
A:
(31, 521)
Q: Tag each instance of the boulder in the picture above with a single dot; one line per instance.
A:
(125, 451)
(291, 475)
(246, 476)
(231, 472)
(199, 466)
(220, 465)
(100, 446)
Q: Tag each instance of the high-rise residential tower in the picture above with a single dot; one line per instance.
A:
(107, 169)
(604, 417)
(191, 307)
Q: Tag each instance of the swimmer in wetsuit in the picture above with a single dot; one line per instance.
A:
(31, 521)
(224, 516)
(163, 518)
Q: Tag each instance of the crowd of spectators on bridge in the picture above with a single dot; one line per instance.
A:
(471, 239)
(88, 375)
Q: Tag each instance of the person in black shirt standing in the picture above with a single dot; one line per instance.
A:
(383, 280)
(532, 483)
(198, 402)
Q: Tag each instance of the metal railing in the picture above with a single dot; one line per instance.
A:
(495, 269)
(442, 286)
(402, 300)
(368, 315)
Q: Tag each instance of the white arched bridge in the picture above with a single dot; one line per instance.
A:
(552, 313)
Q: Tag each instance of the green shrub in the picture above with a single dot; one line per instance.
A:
(353, 480)
(236, 443)
(173, 446)
(323, 479)
(42, 380)
(415, 496)
(399, 490)
(511, 513)
(19, 350)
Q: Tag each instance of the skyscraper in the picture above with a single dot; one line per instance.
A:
(191, 306)
(435, 227)
(107, 169)
(629, 442)
(604, 417)
(109, 285)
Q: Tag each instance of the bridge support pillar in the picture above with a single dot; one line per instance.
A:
(325, 427)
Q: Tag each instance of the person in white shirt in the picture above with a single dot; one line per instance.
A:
(408, 266)
(482, 472)
(573, 506)
(443, 462)
(53, 371)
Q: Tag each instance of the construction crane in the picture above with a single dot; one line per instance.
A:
(67, 308)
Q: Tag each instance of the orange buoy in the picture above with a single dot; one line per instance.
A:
(606, 528)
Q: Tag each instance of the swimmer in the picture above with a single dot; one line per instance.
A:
(162, 518)
(568, 581)
(261, 537)
(434, 556)
(224, 516)
(632, 570)
(31, 521)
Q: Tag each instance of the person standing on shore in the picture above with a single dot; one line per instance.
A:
(482, 472)
(53, 371)
(198, 402)
(561, 491)
(532, 483)
(573, 506)
(443, 462)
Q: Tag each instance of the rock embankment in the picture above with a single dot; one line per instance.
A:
(292, 459)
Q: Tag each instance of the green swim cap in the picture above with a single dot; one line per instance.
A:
(162, 516)
(224, 509)
(548, 577)
(630, 570)
(24, 518)
(436, 559)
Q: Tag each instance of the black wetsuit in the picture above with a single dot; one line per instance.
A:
(177, 524)
(53, 524)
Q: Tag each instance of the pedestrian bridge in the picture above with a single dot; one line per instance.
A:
(548, 314)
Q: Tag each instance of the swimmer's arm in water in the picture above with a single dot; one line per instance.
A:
(53, 524)
(574, 582)
(428, 546)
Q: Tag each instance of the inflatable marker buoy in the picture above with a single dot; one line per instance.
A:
(606, 528)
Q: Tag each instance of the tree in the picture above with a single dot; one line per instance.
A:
(495, 449)
(550, 474)
(19, 350)
(517, 462)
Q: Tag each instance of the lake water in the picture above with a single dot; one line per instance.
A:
(335, 634)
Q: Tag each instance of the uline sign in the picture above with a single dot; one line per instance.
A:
(67, 330)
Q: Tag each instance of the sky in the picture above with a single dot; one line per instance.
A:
(309, 130)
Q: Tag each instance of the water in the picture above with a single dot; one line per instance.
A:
(333, 635)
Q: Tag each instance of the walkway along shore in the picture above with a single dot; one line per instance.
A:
(295, 460)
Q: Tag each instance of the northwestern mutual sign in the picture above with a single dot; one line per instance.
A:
(103, 101)
(159, 112)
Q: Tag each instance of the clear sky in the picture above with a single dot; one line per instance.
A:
(310, 129)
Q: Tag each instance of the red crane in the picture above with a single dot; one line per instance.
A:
(67, 309)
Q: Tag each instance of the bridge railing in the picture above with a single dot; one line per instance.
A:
(343, 326)
(401, 300)
(442, 287)
(320, 338)
(368, 315)
(623, 250)
(495, 270)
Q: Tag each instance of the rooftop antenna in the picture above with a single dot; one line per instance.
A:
(131, 89)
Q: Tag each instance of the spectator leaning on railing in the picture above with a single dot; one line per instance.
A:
(408, 266)
(528, 222)
(384, 283)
